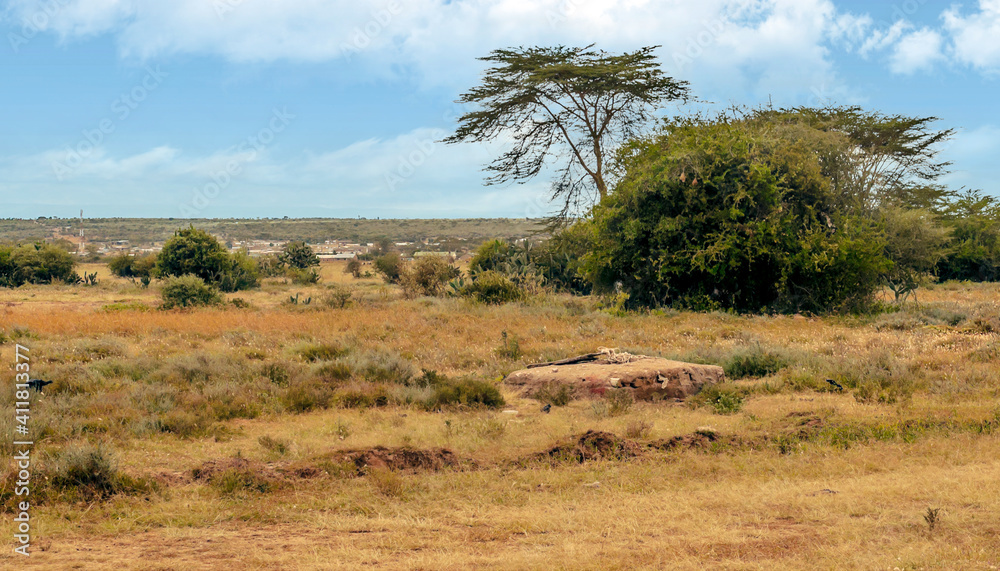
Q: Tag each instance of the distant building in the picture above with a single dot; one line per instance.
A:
(336, 257)
(440, 254)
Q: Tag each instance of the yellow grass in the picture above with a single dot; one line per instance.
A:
(749, 506)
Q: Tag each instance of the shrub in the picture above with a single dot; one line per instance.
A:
(720, 398)
(242, 273)
(271, 266)
(299, 255)
(195, 252)
(334, 372)
(510, 348)
(304, 276)
(36, 264)
(238, 481)
(491, 287)
(277, 373)
(465, 392)
(364, 397)
(91, 472)
(338, 297)
(492, 255)
(428, 276)
(753, 362)
(353, 267)
(307, 395)
(188, 291)
(734, 213)
(382, 367)
(320, 352)
(390, 266)
(129, 266)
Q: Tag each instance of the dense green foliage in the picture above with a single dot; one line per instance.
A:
(129, 266)
(973, 249)
(188, 291)
(35, 264)
(390, 266)
(733, 213)
(298, 255)
(473, 393)
(193, 251)
(492, 287)
(554, 264)
(428, 276)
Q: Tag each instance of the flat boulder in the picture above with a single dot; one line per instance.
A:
(649, 378)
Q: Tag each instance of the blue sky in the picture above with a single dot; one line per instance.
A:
(260, 108)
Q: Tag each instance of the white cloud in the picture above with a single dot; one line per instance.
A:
(971, 39)
(767, 46)
(975, 39)
(916, 51)
(882, 39)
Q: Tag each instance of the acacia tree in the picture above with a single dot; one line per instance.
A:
(888, 159)
(573, 106)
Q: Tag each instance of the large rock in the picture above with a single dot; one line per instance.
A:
(649, 378)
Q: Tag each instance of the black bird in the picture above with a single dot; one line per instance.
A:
(835, 385)
(38, 384)
(547, 408)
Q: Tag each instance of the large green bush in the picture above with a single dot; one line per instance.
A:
(129, 266)
(188, 291)
(195, 252)
(36, 264)
(492, 287)
(733, 214)
(973, 249)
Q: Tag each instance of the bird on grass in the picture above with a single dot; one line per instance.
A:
(547, 408)
(835, 385)
(38, 384)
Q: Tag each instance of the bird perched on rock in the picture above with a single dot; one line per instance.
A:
(38, 384)
(835, 385)
(547, 408)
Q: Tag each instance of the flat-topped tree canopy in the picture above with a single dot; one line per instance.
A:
(570, 106)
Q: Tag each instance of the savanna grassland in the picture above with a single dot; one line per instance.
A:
(242, 436)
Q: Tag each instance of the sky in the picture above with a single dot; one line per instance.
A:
(330, 108)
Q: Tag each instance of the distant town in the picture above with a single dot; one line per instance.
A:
(331, 239)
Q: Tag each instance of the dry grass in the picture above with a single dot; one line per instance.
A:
(916, 428)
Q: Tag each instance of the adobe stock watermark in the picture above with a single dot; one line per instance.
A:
(561, 13)
(409, 162)
(22, 449)
(362, 36)
(36, 23)
(249, 149)
(903, 11)
(698, 43)
(122, 107)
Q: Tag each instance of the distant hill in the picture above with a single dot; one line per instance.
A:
(313, 230)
